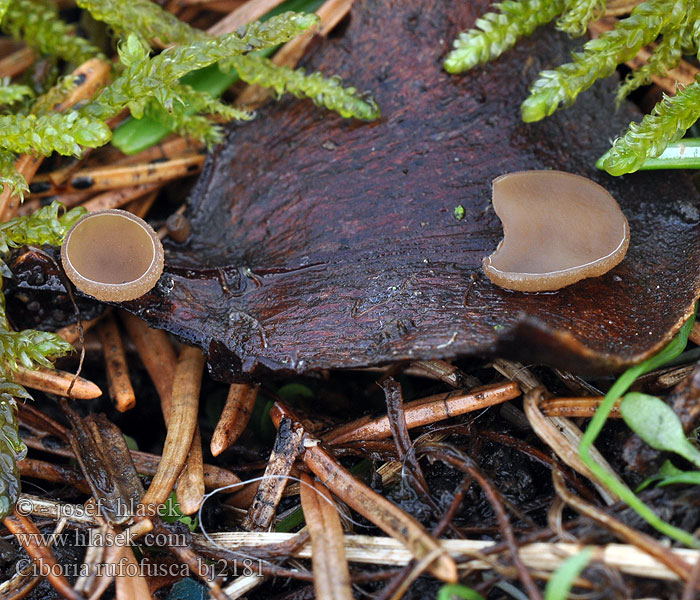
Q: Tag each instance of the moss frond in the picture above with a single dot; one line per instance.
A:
(9, 94)
(143, 18)
(600, 57)
(579, 14)
(146, 76)
(10, 176)
(667, 56)
(4, 5)
(47, 225)
(179, 108)
(12, 448)
(668, 122)
(57, 132)
(328, 92)
(150, 21)
(28, 348)
(38, 24)
(497, 32)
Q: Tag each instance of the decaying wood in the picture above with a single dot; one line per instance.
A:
(388, 273)
(269, 492)
(106, 464)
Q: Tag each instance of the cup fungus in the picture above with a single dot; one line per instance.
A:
(112, 255)
(558, 228)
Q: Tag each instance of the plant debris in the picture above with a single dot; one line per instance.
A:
(301, 259)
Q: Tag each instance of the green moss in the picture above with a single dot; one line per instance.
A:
(677, 21)
(28, 348)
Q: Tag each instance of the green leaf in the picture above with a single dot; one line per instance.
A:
(559, 586)
(455, 590)
(656, 423)
(170, 513)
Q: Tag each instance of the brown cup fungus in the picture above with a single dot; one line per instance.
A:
(112, 255)
(558, 228)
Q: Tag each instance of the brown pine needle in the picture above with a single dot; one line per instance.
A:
(118, 198)
(190, 484)
(71, 333)
(234, 417)
(378, 550)
(120, 389)
(157, 355)
(141, 206)
(114, 177)
(249, 11)
(575, 407)
(18, 61)
(331, 573)
(425, 411)
(159, 358)
(53, 381)
(643, 541)
(385, 515)
(65, 475)
(564, 438)
(130, 584)
(182, 422)
(29, 537)
(358, 496)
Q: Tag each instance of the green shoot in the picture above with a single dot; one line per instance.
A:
(618, 389)
(559, 586)
(28, 348)
(668, 475)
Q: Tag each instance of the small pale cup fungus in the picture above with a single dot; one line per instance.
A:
(112, 255)
(558, 228)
